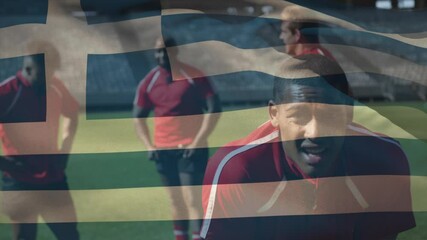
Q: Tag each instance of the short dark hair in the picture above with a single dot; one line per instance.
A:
(325, 74)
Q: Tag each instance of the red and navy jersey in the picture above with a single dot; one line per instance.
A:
(30, 124)
(251, 192)
(318, 50)
(16, 94)
(178, 104)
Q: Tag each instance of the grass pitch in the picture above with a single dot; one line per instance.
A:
(109, 156)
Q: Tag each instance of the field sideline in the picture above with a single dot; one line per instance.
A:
(132, 169)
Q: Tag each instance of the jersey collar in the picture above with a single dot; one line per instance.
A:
(22, 79)
(291, 171)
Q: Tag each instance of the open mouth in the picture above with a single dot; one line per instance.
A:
(314, 150)
(313, 154)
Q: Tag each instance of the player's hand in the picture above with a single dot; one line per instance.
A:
(153, 154)
(188, 153)
(190, 150)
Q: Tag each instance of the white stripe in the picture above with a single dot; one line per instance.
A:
(179, 233)
(321, 52)
(367, 132)
(189, 79)
(279, 189)
(268, 122)
(225, 160)
(135, 101)
(356, 193)
(15, 99)
(7, 80)
(153, 80)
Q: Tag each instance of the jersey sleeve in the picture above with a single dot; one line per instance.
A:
(142, 99)
(225, 202)
(70, 106)
(389, 196)
(5, 97)
(8, 91)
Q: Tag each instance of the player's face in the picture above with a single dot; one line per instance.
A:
(288, 37)
(312, 132)
(32, 71)
(160, 56)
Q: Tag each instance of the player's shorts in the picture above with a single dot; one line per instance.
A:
(11, 184)
(171, 162)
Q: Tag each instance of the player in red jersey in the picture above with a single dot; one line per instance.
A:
(292, 33)
(309, 172)
(31, 104)
(180, 131)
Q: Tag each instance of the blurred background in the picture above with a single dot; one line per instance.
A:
(107, 47)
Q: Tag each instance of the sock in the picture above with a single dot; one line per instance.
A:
(196, 236)
(180, 232)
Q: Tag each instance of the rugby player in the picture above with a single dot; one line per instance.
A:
(310, 172)
(292, 33)
(180, 132)
(31, 105)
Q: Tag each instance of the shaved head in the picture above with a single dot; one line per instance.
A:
(315, 71)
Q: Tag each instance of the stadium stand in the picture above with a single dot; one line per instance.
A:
(113, 80)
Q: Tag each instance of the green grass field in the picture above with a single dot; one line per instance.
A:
(98, 164)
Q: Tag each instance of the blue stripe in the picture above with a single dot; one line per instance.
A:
(15, 12)
(240, 31)
(253, 32)
(101, 11)
(9, 67)
(370, 18)
(371, 41)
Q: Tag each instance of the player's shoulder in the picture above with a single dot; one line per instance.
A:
(369, 137)
(233, 162)
(190, 73)
(9, 84)
(376, 153)
(149, 78)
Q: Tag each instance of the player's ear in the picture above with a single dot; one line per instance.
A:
(273, 112)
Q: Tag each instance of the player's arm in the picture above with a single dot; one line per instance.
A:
(68, 133)
(210, 119)
(228, 220)
(8, 97)
(140, 115)
(226, 202)
(70, 113)
(69, 127)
